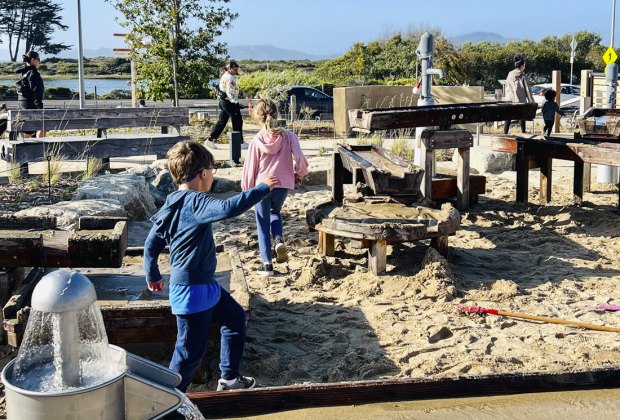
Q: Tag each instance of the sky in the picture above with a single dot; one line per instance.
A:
(330, 27)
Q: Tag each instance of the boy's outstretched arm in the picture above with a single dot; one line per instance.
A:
(153, 246)
(209, 209)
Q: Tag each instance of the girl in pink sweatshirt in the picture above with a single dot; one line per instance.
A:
(273, 151)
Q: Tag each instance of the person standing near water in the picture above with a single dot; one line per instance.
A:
(30, 88)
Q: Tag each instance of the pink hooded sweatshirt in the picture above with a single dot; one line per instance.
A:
(272, 154)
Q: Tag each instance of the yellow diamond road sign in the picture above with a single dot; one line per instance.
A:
(610, 56)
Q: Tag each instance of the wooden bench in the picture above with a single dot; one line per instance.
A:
(100, 144)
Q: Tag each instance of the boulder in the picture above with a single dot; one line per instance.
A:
(148, 172)
(161, 186)
(484, 159)
(67, 213)
(130, 190)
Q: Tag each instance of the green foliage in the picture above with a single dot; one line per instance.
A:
(60, 93)
(31, 24)
(182, 33)
(8, 93)
(117, 94)
(255, 83)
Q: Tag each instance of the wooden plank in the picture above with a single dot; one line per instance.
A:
(337, 178)
(462, 179)
(426, 162)
(440, 243)
(95, 118)
(504, 144)
(21, 248)
(523, 170)
(377, 257)
(587, 175)
(546, 172)
(447, 139)
(446, 188)
(79, 148)
(599, 154)
(266, 400)
(97, 248)
(578, 184)
(12, 222)
(238, 282)
(439, 115)
(327, 244)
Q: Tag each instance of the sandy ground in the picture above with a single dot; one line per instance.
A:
(329, 319)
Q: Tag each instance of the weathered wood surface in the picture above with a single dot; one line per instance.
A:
(383, 172)
(266, 400)
(9, 221)
(19, 300)
(438, 115)
(82, 147)
(589, 125)
(95, 118)
(447, 139)
(97, 248)
(445, 188)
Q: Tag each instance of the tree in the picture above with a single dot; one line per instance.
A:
(174, 45)
(31, 23)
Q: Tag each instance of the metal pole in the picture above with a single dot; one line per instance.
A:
(174, 54)
(80, 55)
(613, 22)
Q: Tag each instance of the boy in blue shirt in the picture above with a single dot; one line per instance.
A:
(196, 299)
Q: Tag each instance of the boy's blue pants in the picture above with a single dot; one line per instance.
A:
(193, 335)
(269, 221)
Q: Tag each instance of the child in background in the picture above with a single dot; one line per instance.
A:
(549, 109)
(196, 299)
(273, 151)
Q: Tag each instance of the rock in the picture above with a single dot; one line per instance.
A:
(130, 190)
(146, 171)
(222, 185)
(161, 186)
(67, 213)
(483, 159)
(160, 164)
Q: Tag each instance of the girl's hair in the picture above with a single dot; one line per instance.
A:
(186, 159)
(519, 60)
(29, 56)
(266, 114)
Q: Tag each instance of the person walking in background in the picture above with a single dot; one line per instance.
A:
(273, 151)
(549, 109)
(517, 89)
(30, 88)
(228, 105)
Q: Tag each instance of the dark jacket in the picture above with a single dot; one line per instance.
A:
(32, 86)
(184, 223)
(549, 109)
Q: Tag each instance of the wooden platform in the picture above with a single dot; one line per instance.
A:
(378, 222)
(130, 312)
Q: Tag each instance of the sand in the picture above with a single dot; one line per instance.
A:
(328, 319)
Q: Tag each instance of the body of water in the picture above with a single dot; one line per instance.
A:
(102, 85)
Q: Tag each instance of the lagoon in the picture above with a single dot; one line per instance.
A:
(103, 85)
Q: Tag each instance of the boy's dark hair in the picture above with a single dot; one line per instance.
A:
(550, 94)
(186, 159)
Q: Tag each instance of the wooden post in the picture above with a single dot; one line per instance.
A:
(337, 178)
(587, 174)
(23, 169)
(523, 170)
(578, 184)
(546, 170)
(440, 243)
(556, 82)
(426, 162)
(462, 179)
(293, 108)
(327, 244)
(105, 164)
(377, 257)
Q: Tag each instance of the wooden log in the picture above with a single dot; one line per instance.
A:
(77, 148)
(438, 115)
(462, 179)
(377, 257)
(266, 400)
(546, 172)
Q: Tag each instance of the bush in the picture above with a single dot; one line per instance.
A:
(60, 93)
(117, 94)
(8, 93)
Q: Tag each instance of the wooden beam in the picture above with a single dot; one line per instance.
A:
(523, 170)
(426, 162)
(337, 180)
(377, 257)
(462, 179)
(556, 82)
(77, 148)
(440, 243)
(546, 172)
(587, 175)
(578, 184)
(446, 188)
(266, 400)
(447, 139)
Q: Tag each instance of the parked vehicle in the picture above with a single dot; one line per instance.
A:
(308, 98)
(567, 92)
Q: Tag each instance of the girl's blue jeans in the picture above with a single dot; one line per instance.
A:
(269, 221)
(193, 336)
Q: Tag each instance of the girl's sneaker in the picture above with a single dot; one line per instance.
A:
(280, 249)
(266, 269)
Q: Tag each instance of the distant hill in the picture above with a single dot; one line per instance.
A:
(478, 37)
(269, 52)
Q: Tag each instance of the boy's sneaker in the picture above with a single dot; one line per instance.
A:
(266, 269)
(280, 249)
(243, 382)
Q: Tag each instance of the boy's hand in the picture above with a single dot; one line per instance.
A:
(271, 182)
(155, 286)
